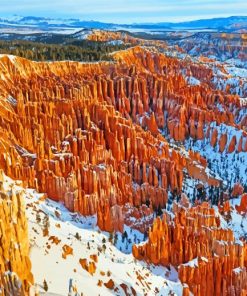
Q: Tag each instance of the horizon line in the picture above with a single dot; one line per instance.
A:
(121, 23)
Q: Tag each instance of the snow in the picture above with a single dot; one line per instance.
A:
(120, 266)
(192, 263)
(237, 85)
(192, 80)
(238, 270)
(115, 42)
(227, 166)
(26, 30)
(235, 71)
(237, 62)
(83, 34)
(235, 77)
(237, 223)
(243, 103)
(189, 183)
(12, 101)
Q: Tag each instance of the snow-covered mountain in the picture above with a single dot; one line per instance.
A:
(230, 23)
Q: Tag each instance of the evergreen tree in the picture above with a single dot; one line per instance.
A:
(45, 285)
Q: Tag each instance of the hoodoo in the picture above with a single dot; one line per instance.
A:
(138, 154)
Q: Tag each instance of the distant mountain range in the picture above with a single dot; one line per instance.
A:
(232, 23)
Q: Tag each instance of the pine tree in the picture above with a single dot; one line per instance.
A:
(111, 237)
(115, 239)
(45, 285)
(38, 218)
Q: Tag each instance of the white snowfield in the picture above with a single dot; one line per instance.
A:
(66, 276)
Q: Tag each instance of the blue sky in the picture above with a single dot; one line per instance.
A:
(125, 11)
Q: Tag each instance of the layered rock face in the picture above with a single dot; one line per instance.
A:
(15, 266)
(208, 258)
(88, 134)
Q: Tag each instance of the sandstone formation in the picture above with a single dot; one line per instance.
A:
(15, 266)
(91, 136)
(88, 134)
(90, 267)
(237, 190)
(138, 218)
(208, 259)
(108, 36)
(67, 250)
(242, 208)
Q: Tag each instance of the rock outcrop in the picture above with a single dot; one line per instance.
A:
(15, 266)
(242, 208)
(208, 259)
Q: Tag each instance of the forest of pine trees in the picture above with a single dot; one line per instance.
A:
(84, 51)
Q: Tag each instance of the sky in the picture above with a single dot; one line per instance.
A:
(125, 11)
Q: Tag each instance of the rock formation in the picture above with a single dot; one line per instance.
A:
(15, 266)
(242, 208)
(208, 259)
(82, 134)
(92, 136)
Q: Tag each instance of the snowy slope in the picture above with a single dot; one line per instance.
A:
(236, 222)
(66, 276)
(231, 167)
(234, 79)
